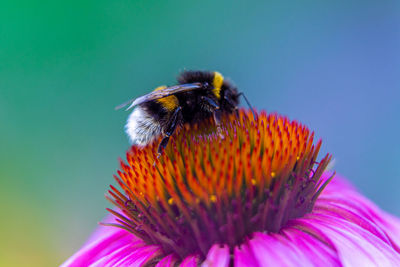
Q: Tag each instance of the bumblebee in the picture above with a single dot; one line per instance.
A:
(197, 96)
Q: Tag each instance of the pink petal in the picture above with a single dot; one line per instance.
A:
(99, 247)
(191, 261)
(274, 250)
(337, 184)
(168, 261)
(102, 231)
(345, 211)
(344, 228)
(243, 256)
(113, 257)
(391, 225)
(125, 256)
(340, 197)
(318, 252)
(290, 248)
(138, 257)
(217, 257)
(355, 245)
(112, 247)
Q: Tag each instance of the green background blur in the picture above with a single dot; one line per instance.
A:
(333, 65)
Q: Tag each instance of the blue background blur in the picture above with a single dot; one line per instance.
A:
(333, 65)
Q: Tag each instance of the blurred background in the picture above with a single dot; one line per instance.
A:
(333, 65)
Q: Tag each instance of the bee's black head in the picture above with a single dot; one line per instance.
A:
(224, 91)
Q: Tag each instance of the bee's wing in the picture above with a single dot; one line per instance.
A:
(160, 94)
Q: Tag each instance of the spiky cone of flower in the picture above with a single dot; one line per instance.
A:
(254, 195)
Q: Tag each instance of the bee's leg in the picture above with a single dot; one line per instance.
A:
(234, 107)
(216, 113)
(217, 118)
(162, 145)
(237, 112)
(211, 102)
(170, 129)
(230, 102)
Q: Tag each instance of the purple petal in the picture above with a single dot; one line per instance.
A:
(217, 257)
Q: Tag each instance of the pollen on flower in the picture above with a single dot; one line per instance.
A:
(205, 190)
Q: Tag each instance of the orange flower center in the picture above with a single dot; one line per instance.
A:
(210, 189)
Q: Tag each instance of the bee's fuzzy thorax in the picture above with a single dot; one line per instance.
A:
(141, 127)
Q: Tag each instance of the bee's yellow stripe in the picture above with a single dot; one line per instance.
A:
(170, 103)
(217, 84)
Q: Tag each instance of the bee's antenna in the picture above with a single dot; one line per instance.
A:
(248, 103)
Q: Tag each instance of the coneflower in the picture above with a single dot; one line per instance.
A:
(254, 194)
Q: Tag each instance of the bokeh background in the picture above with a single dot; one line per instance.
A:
(64, 65)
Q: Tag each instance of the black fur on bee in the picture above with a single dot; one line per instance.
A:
(198, 95)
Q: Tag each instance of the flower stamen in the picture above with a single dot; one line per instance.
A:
(205, 190)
